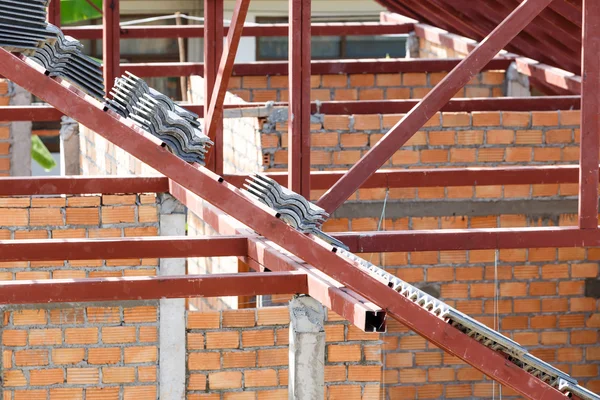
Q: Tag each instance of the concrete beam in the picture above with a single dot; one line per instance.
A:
(172, 350)
(307, 349)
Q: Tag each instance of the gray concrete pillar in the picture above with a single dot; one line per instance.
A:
(307, 349)
(517, 84)
(20, 134)
(412, 45)
(172, 340)
(69, 147)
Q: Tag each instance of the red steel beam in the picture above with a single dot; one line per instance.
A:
(54, 13)
(549, 75)
(543, 103)
(120, 248)
(469, 239)
(318, 67)
(213, 49)
(590, 116)
(263, 220)
(299, 68)
(56, 185)
(194, 31)
(431, 103)
(150, 288)
(438, 177)
(214, 117)
(346, 303)
(111, 48)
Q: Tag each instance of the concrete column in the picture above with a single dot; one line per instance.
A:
(172, 340)
(517, 84)
(20, 134)
(307, 349)
(69, 147)
(412, 45)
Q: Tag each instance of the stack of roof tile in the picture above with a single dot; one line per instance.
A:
(23, 26)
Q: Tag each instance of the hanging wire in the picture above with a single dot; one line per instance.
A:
(382, 216)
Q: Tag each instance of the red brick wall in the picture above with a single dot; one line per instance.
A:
(243, 354)
(365, 86)
(68, 352)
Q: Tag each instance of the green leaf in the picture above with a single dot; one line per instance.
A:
(73, 11)
(41, 154)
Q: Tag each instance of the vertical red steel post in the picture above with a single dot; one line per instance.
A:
(54, 13)
(299, 97)
(215, 112)
(213, 47)
(590, 116)
(111, 33)
(431, 104)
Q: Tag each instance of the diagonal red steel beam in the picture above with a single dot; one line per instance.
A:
(299, 65)
(150, 288)
(346, 303)
(263, 220)
(430, 104)
(590, 116)
(111, 48)
(214, 115)
(121, 248)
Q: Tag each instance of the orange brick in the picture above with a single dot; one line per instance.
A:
(68, 356)
(116, 215)
(118, 199)
(553, 338)
(14, 338)
(273, 357)
(341, 353)
(29, 317)
(118, 334)
(14, 378)
(388, 79)
(334, 81)
(441, 138)
(141, 231)
(409, 375)
(66, 394)
(44, 337)
(582, 304)
(323, 139)
(29, 395)
(440, 274)
(81, 335)
(139, 392)
(83, 201)
(455, 119)
(273, 316)
(45, 377)
(29, 358)
(584, 337)
(367, 122)
(441, 374)
(339, 392)
(346, 157)
(254, 82)
(390, 120)
(239, 359)
(370, 94)
(364, 373)
(104, 355)
(147, 214)
(118, 375)
(468, 374)
(434, 156)
(14, 217)
(197, 382)
(83, 216)
(518, 154)
(238, 318)
(490, 155)
(559, 136)
(571, 321)
(455, 291)
(469, 137)
(203, 320)
(106, 315)
(543, 321)
(482, 289)
(82, 376)
(486, 118)
(67, 316)
(555, 271)
(404, 157)
(362, 80)
(140, 354)
(140, 314)
(516, 118)
(345, 94)
(225, 380)
(547, 154)
(222, 340)
(414, 79)
(257, 338)
(354, 140)
(584, 270)
(203, 361)
(528, 137)
(555, 305)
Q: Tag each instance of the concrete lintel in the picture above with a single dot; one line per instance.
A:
(306, 349)
(172, 341)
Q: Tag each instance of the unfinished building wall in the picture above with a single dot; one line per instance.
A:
(88, 350)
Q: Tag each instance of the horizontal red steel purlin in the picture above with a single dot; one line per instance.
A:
(346, 303)
(470, 239)
(438, 177)
(119, 248)
(318, 67)
(56, 185)
(150, 288)
(319, 180)
(263, 220)
(400, 133)
(215, 112)
(196, 31)
(545, 103)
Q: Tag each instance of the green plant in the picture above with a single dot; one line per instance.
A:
(41, 154)
(73, 11)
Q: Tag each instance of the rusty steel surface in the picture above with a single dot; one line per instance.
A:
(213, 121)
(121, 248)
(590, 116)
(299, 72)
(150, 288)
(55, 185)
(194, 31)
(430, 104)
(543, 103)
(258, 217)
(111, 47)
